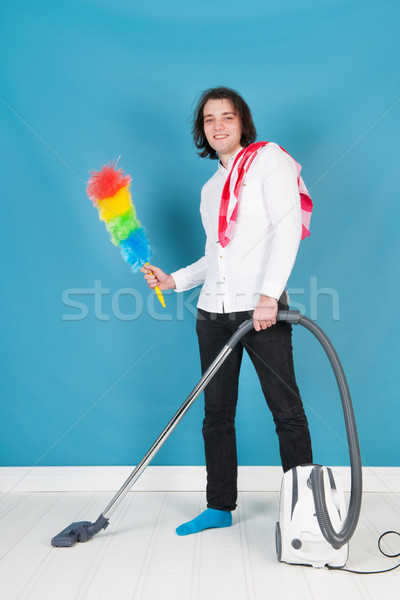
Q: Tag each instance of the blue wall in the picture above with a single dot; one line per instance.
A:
(83, 82)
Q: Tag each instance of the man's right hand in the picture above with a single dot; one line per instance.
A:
(156, 277)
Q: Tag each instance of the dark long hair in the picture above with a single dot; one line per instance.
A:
(249, 133)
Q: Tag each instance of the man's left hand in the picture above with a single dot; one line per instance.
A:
(264, 315)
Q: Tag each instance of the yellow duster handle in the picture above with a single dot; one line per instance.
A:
(158, 292)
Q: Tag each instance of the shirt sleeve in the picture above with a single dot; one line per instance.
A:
(282, 196)
(194, 274)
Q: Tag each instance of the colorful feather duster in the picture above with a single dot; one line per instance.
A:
(109, 190)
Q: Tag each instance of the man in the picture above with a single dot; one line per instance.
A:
(252, 242)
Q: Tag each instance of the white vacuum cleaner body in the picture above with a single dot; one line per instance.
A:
(298, 536)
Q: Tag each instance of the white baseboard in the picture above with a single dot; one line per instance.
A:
(154, 478)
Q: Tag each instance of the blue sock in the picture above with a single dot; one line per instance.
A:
(206, 520)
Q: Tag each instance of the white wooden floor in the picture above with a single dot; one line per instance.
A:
(140, 556)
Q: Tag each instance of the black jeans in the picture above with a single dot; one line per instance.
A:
(271, 353)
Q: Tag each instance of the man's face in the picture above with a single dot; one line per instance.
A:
(222, 126)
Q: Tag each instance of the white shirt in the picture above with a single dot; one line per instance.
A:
(261, 254)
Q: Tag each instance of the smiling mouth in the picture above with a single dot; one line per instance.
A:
(220, 136)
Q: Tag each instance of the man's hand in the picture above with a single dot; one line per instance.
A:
(156, 277)
(264, 315)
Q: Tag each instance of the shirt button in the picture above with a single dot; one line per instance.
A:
(221, 256)
(224, 278)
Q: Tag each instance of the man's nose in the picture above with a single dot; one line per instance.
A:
(218, 125)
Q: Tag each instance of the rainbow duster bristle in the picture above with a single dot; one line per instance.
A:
(109, 190)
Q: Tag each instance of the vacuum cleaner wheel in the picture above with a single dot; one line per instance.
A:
(278, 541)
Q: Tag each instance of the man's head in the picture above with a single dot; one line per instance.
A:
(221, 120)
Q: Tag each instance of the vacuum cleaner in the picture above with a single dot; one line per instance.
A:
(312, 507)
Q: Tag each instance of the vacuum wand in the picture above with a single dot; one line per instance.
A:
(84, 530)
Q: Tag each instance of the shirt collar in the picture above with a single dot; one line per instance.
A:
(221, 167)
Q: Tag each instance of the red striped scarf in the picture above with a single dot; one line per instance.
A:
(233, 186)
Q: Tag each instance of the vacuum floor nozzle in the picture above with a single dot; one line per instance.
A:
(68, 536)
(81, 531)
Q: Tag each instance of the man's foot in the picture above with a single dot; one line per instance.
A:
(208, 519)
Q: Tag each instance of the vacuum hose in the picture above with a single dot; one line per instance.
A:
(337, 540)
